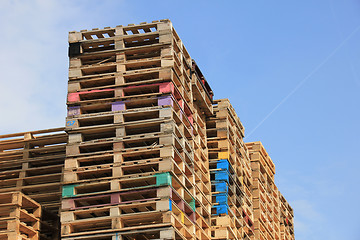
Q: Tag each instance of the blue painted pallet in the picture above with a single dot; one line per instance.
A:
(220, 186)
(222, 175)
(221, 198)
(221, 209)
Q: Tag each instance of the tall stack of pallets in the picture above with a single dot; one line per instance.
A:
(32, 163)
(19, 217)
(286, 220)
(266, 196)
(136, 161)
(230, 174)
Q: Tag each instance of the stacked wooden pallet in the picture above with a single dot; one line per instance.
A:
(136, 161)
(232, 216)
(32, 162)
(19, 217)
(286, 220)
(266, 197)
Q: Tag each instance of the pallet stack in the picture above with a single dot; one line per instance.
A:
(230, 174)
(146, 153)
(266, 196)
(32, 163)
(136, 161)
(286, 220)
(19, 217)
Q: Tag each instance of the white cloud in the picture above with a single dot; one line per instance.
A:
(27, 83)
(34, 61)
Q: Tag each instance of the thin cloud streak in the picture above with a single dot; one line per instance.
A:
(304, 80)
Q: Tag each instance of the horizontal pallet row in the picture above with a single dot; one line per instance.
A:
(129, 93)
(95, 40)
(91, 123)
(166, 233)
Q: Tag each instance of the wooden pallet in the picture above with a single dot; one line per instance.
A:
(114, 132)
(203, 95)
(24, 234)
(104, 40)
(128, 208)
(135, 221)
(143, 59)
(133, 143)
(204, 203)
(129, 34)
(131, 183)
(19, 216)
(258, 153)
(106, 105)
(119, 129)
(130, 115)
(138, 103)
(166, 233)
(128, 92)
(124, 170)
(226, 227)
(127, 157)
(119, 117)
(203, 227)
(286, 216)
(223, 109)
(21, 202)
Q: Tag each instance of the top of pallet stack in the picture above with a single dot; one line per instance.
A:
(224, 104)
(257, 147)
(120, 30)
(16, 141)
(134, 55)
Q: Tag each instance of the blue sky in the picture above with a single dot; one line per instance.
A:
(303, 55)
